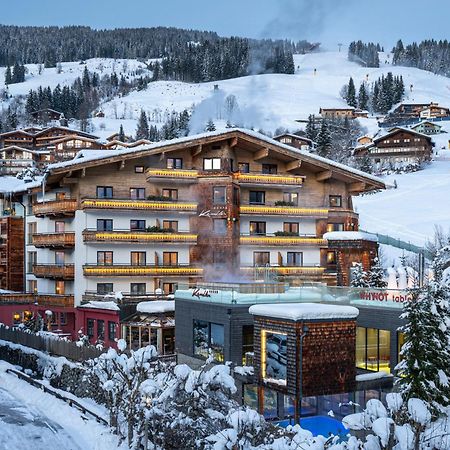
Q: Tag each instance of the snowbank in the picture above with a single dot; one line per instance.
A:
(304, 311)
(157, 306)
(101, 305)
(350, 236)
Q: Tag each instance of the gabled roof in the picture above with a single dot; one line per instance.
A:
(395, 130)
(77, 132)
(75, 136)
(339, 108)
(424, 122)
(46, 110)
(23, 132)
(294, 136)
(17, 147)
(247, 138)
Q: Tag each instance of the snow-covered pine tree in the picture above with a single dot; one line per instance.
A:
(375, 277)
(210, 126)
(311, 129)
(425, 367)
(363, 97)
(121, 135)
(359, 278)
(351, 94)
(323, 140)
(142, 131)
(8, 75)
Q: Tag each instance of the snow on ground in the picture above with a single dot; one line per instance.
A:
(411, 211)
(30, 418)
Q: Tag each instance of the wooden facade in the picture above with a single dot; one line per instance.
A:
(12, 256)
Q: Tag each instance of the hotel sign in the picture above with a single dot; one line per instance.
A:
(394, 298)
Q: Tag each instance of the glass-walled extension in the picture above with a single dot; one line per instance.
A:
(208, 337)
(373, 349)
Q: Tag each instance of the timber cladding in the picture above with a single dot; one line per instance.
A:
(328, 362)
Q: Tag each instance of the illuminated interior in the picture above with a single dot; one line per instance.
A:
(373, 349)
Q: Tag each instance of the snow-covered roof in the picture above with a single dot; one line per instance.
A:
(394, 130)
(112, 306)
(156, 306)
(304, 311)
(350, 236)
(11, 185)
(82, 157)
(425, 122)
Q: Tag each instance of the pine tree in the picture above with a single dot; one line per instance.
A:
(311, 130)
(351, 93)
(359, 277)
(425, 368)
(142, 131)
(323, 140)
(375, 277)
(8, 76)
(121, 136)
(363, 97)
(210, 126)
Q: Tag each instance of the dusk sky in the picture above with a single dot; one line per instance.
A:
(327, 21)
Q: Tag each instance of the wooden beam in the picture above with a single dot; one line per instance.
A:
(325, 175)
(261, 154)
(356, 187)
(233, 142)
(122, 165)
(197, 150)
(293, 165)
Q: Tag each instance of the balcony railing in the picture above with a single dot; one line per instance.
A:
(66, 301)
(268, 179)
(56, 208)
(95, 270)
(273, 209)
(298, 271)
(269, 240)
(142, 205)
(124, 297)
(54, 240)
(173, 175)
(134, 236)
(54, 271)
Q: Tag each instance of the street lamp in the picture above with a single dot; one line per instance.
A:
(305, 330)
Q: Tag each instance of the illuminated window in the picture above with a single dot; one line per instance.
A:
(335, 201)
(291, 228)
(373, 349)
(331, 257)
(59, 287)
(335, 227)
(400, 342)
(138, 258)
(17, 318)
(32, 286)
(138, 169)
(174, 163)
(208, 336)
(273, 355)
(219, 195)
(170, 225)
(211, 163)
(257, 228)
(244, 167)
(170, 258)
(247, 341)
(169, 288)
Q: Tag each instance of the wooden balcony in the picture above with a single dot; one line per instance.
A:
(54, 240)
(138, 237)
(140, 205)
(118, 270)
(172, 175)
(56, 208)
(280, 241)
(302, 272)
(262, 179)
(66, 301)
(54, 271)
(282, 210)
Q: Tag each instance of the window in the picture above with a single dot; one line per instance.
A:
(373, 349)
(60, 195)
(105, 258)
(257, 197)
(137, 193)
(244, 167)
(274, 364)
(32, 286)
(208, 336)
(269, 168)
(220, 226)
(100, 329)
(295, 259)
(174, 163)
(104, 288)
(247, 341)
(59, 287)
(291, 228)
(111, 331)
(235, 196)
(335, 227)
(137, 225)
(60, 226)
(138, 288)
(63, 318)
(257, 228)
(90, 327)
(138, 258)
(138, 169)
(170, 225)
(60, 258)
(211, 163)
(32, 260)
(261, 258)
(219, 195)
(170, 258)
(32, 229)
(331, 257)
(104, 192)
(169, 288)
(291, 198)
(104, 224)
(170, 193)
(335, 201)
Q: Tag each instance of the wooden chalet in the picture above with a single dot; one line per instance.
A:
(349, 112)
(19, 138)
(433, 110)
(47, 136)
(46, 115)
(296, 141)
(427, 127)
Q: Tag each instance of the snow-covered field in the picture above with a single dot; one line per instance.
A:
(30, 418)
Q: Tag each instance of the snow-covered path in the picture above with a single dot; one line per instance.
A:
(30, 418)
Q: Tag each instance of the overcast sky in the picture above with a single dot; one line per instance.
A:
(327, 21)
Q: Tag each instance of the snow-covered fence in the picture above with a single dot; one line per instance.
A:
(51, 345)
